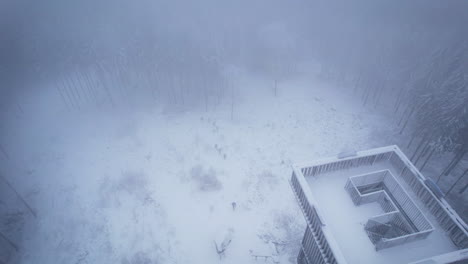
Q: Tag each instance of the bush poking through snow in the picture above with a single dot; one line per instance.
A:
(131, 184)
(284, 233)
(221, 248)
(139, 258)
(205, 180)
(268, 178)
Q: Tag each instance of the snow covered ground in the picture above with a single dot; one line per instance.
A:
(153, 185)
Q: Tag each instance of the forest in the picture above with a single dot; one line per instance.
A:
(101, 66)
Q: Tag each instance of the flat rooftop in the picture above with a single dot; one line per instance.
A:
(323, 183)
(346, 221)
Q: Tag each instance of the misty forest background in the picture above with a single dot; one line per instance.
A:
(407, 60)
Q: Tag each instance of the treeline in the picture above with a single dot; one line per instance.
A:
(410, 59)
(168, 52)
(180, 76)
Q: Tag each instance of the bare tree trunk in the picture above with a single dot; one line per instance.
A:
(460, 157)
(172, 90)
(455, 183)
(276, 87)
(93, 86)
(75, 86)
(379, 95)
(423, 140)
(422, 153)
(407, 109)
(357, 83)
(452, 164)
(62, 97)
(120, 81)
(69, 94)
(407, 120)
(412, 139)
(124, 81)
(376, 93)
(428, 158)
(205, 96)
(182, 91)
(4, 152)
(155, 84)
(399, 100)
(19, 196)
(232, 103)
(88, 86)
(462, 190)
(82, 87)
(367, 95)
(73, 90)
(426, 150)
(13, 245)
(20, 108)
(104, 85)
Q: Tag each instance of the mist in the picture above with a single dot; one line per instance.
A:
(157, 131)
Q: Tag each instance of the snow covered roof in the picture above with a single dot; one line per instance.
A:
(459, 256)
(319, 187)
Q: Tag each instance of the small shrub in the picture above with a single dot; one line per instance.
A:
(139, 258)
(205, 180)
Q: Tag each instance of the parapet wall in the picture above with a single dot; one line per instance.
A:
(447, 218)
(329, 252)
(402, 221)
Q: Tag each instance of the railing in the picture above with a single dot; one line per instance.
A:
(459, 256)
(445, 215)
(315, 245)
(346, 163)
(396, 213)
(380, 197)
(447, 218)
(301, 258)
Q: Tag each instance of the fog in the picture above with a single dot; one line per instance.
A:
(144, 131)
